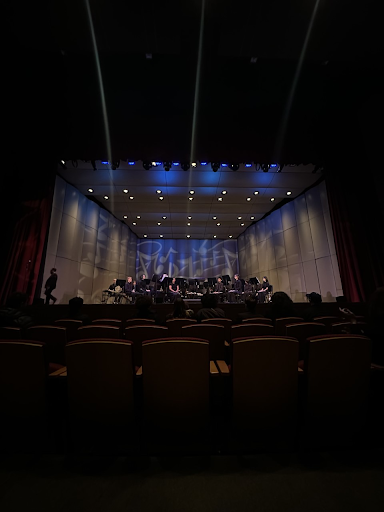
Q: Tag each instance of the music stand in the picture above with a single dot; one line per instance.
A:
(254, 281)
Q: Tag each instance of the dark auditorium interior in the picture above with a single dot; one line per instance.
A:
(192, 263)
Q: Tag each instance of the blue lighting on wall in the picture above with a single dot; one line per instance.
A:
(104, 162)
(248, 165)
(203, 163)
(273, 165)
(224, 165)
(157, 163)
(131, 163)
(176, 163)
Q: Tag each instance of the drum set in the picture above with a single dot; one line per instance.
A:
(116, 296)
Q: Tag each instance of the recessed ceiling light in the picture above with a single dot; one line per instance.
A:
(130, 197)
(188, 223)
(253, 217)
(229, 236)
(138, 217)
(242, 224)
(191, 192)
(154, 164)
(161, 236)
(189, 217)
(272, 198)
(218, 224)
(125, 191)
(161, 198)
(145, 236)
(214, 217)
(214, 236)
(164, 217)
(223, 192)
(188, 236)
(106, 197)
(219, 198)
(159, 223)
(125, 217)
(134, 223)
(158, 191)
(190, 198)
(256, 192)
(249, 198)
(289, 193)
(239, 218)
(193, 164)
(90, 190)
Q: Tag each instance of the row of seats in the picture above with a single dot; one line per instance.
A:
(177, 376)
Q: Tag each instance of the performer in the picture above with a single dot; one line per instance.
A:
(265, 288)
(173, 290)
(50, 285)
(129, 288)
(237, 289)
(219, 288)
(112, 286)
(248, 289)
(142, 287)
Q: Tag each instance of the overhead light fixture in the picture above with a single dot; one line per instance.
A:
(215, 166)
(230, 236)
(242, 224)
(164, 217)
(158, 191)
(214, 217)
(147, 165)
(93, 163)
(159, 223)
(188, 236)
(188, 223)
(224, 164)
(252, 217)
(62, 163)
(161, 236)
(189, 217)
(90, 190)
(214, 236)
(239, 218)
(272, 199)
(125, 191)
(289, 193)
(218, 224)
(194, 164)
(249, 198)
(161, 198)
(219, 198)
(138, 217)
(191, 192)
(125, 217)
(203, 163)
(167, 165)
(131, 163)
(256, 192)
(106, 198)
(134, 223)
(248, 164)
(223, 192)
(190, 198)
(185, 166)
(234, 167)
(145, 236)
(130, 197)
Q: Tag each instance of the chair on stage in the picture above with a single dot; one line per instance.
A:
(10, 333)
(281, 323)
(100, 392)
(213, 333)
(176, 374)
(70, 325)
(327, 321)
(304, 330)
(98, 332)
(139, 333)
(55, 339)
(175, 324)
(257, 320)
(250, 330)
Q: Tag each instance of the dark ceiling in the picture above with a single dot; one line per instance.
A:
(288, 105)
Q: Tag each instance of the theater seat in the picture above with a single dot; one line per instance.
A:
(139, 321)
(10, 333)
(213, 333)
(327, 321)
(225, 322)
(250, 330)
(55, 339)
(175, 324)
(70, 325)
(139, 333)
(281, 323)
(107, 321)
(265, 321)
(304, 330)
(97, 332)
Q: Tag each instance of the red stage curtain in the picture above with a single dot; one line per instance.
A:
(26, 250)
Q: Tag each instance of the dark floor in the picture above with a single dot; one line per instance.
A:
(327, 481)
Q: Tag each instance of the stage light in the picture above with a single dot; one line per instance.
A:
(289, 193)
(188, 223)
(252, 218)
(189, 217)
(188, 236)
(147, 165)
(159, 223)
(223, 192)
(218, 224)
(125, 216)
(215, 166)
(90, 190)
(248, 164)
(214, 236)
(134, 223)
(125, 191)
(219, 198)
(249, 198)
(242, 224)
(62, 163)
(131, 163)
(176, 164)
(264, 167)
(106, 198)
(234, 167)
(164, 217)
(194, 164)
(167, 165)
(256, 192)
(190, 198)
(130, 197)
(161, 236)
(161, 198)
(272, 199)
(214, 217)
(104, 162)
(185, 166)
(223, 164)
(230, 236)
(239, 218)
(191, 192)
(93, 163)
(138, 217)
(145, 236)
(203, 163)
(272, 165)
(158, 191)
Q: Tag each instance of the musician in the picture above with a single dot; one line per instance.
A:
(265, 288)
(112, 286)
(129, 288)
(173, 290)
(219, 288)
(248, 289)
(142, 287)
(237, 288)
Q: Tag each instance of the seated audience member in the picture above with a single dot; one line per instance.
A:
(250, 312)
(281, 306)
(181, 310)
(11, 315)
(143, 307)
(74, 313)
(315, 307)
(209, 308)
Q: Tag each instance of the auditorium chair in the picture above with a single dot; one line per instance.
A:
(138, 321)
(225, 322)
(304, 330)
(176, 375)
(100, 392)
(348, 328)
(55, 339)
(98, 331)
(10, 333)
(265, 391)
(336, 371)
(257, 320)
(281, 323)
(70, 325)
(139, 333)
(107, 321)
(250, 330)
(327, 321)
(213, 333)
(175, 324)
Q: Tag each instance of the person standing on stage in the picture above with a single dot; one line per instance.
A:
(50, 285)
(173, 290)
(265, 288)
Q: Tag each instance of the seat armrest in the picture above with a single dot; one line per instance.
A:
(223, 367)
(376, 367)
(139, 372)
(300, 370)
(213, 368)
(59, 373)
(226, 344)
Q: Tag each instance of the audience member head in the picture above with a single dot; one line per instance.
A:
(314, 298)
(143, 303)
(179, 308)
(17, 300)
(209, 300)
(250, 304)
(75, 305)
(282, 305)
